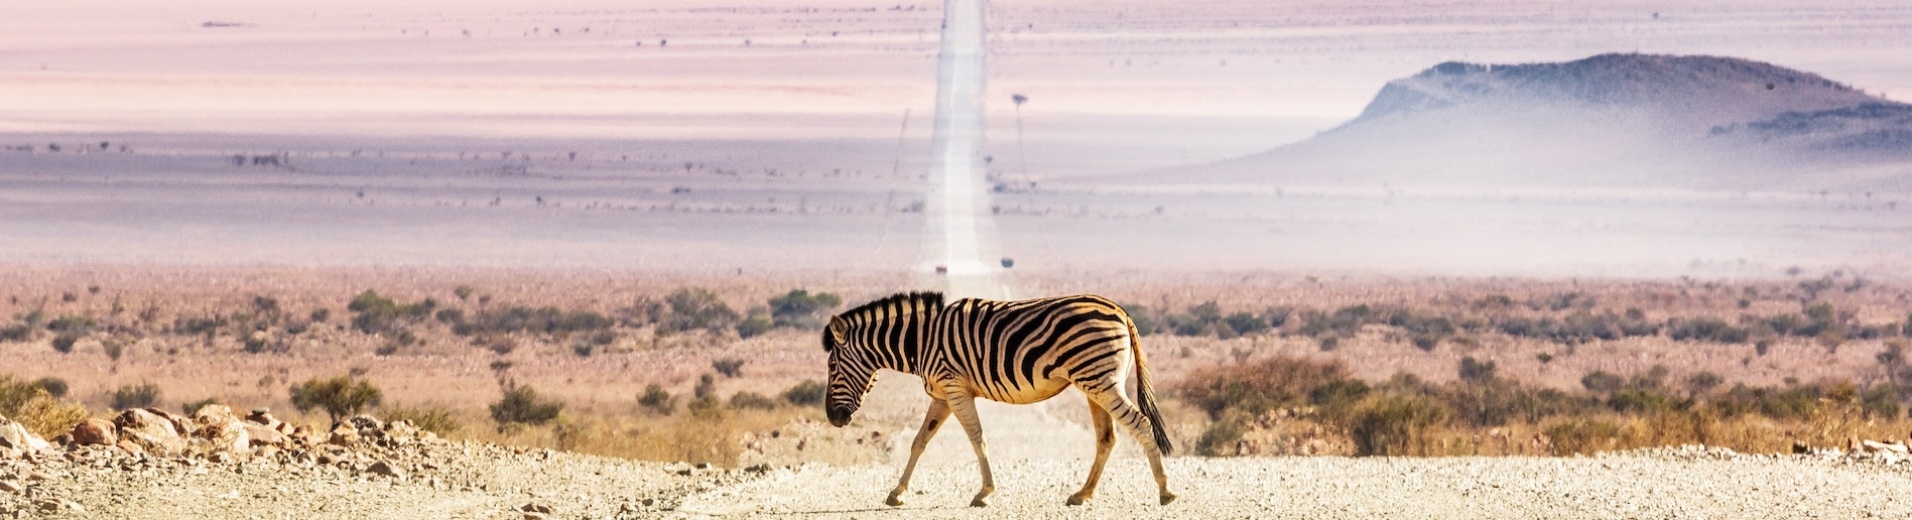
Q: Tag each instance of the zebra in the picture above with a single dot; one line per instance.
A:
(1017, 352)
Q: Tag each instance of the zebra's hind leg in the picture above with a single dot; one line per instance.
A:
(1104, 441)
(1110, 396)
(938, 413)
(964, 406)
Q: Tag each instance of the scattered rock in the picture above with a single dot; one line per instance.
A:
(386, 469)
(226, 433)
(365, 423)
(262, 435)
(343, 435)
(263, 416)
(94, 433)
(153, 433)
(535, 507)
(15, 436)
(11, 486)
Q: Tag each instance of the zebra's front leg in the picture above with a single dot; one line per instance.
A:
(938, 413)
(964, 406)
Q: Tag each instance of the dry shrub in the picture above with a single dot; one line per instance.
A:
(49, 417)
(1395, 425)
(717, 439)
(1255, 388)
(142, 395)
(1580, 436)
(437, 419)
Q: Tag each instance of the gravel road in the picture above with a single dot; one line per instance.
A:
(1038, 456)
(1662, 484)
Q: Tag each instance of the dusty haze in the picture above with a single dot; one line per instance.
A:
(770, 136)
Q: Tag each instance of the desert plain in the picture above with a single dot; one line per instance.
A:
(194, 195)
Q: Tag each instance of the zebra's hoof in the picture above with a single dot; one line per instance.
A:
(1078, 498)
(1167, 497)
(979, 502)
(894, 501)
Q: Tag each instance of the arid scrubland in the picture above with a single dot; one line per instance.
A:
(725, 369)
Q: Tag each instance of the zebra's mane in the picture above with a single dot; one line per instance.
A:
(933, 300)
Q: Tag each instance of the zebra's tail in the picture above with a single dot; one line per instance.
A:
(1145, 392)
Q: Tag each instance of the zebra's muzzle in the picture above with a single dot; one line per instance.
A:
(840, 416)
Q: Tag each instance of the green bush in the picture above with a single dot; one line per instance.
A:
(706, 407)
(657, 400)
(540, 320)
(1255, 388)
(1220, 438)
(801, 309)
(1342, 322)
(1496, 402)
(64, 342)
(78, 325)
(432, 418)
(752, 400)
(16, 333)
(1601, 382)
(15, 393)
(1702, 382)
(1389, 425)
(1139, 315)
(194, 406)
(1581, 436)
(142, 395)
(378, 314)
(1707, 329)
(1245, 323)
(340, 397)
(706, 387)
(521, 405)
(54, 386)
(807, 393)
(755, 325)
(729, 367)
(696, 309)
(1475, 370)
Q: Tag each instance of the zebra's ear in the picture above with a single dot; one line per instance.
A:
(833, 334)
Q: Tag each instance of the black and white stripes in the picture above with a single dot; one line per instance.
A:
(1010, 351)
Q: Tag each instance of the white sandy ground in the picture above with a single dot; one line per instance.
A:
(1039, 457)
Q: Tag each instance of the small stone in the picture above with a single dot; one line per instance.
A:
(365, 422)
(387, 469)
(535, 508)
(11, 486)
(343, 436)
(260, 435)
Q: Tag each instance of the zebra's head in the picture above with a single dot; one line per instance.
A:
(851, 373)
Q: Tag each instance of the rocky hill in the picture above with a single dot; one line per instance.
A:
(1613, 120)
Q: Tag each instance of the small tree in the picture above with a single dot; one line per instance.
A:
(807, 393)
(1475, 370)
(799, 308)
(64, 342)
(706, 386)
(340, 397)
(521, 405)
(142, 395)
(729, 367)
(657, 400)
(54, 386)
